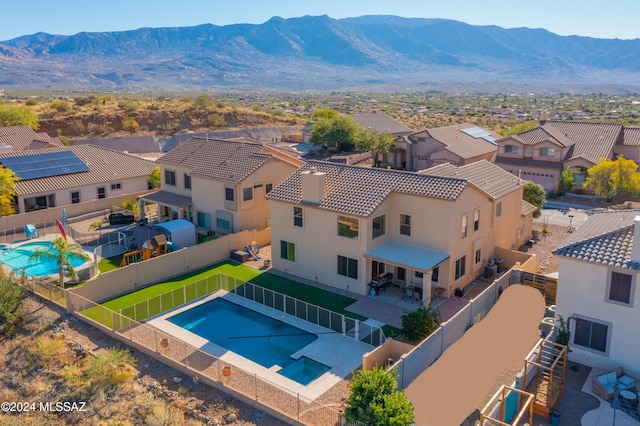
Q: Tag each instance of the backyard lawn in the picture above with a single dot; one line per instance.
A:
(316, 296)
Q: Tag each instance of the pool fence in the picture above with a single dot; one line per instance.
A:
(325, 318)
(278, 401)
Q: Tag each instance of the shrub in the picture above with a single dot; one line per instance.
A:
(130, 125)
(374, 400)
(60, 105)
(11, 309)
(110, 368)
(30, 102)
(418, 324)
(552, 195)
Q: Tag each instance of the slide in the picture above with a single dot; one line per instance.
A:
(252, 253)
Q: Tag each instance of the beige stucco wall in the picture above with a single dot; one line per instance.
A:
(435, 224)
(628, 152)
(380, 356)
(178, 188)
(582, 290)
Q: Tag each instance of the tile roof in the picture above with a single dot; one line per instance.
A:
(487, 177)
(215, 159)
(460, 143)
(593, 141)
(605, 238)
(359, 190)
(24, 137)
(541, 134)
(381, 123)
(631, 136)
(104, 166)
(528, 162)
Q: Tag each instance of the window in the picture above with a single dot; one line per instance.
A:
(547, 152)
(620, 287)
(478, 255)
(405, 224)
(223, 224)
(229, 194)
(476, 219)
(378, 226)
(288, 251)
(377, 268)
(297, 216)
(591, 334)
(510, 149)
(75, 197)
(187, 181)
(461, 266)
(204, 220)
(434, 274)
(268, 188)
(115, 186)
(499, 209)
(347, 227)
(465, 226)
(418, 274)
(102, 192)
(247, 194)
(348, 267)
(170, 177)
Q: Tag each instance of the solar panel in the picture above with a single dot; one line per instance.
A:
(34, 166)
(477, 132)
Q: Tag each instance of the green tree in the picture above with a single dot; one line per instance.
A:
(418, 324)
(612, 178)
(154, 178)
(374, 400)
(12, 115)
(566, 181)
(520, 127)
(342, 132)
(130, 125)
(62, 252)
(534, 194)
(379, 144)
(11, 310)
(132, 206)
(7, 191)
(324, 113)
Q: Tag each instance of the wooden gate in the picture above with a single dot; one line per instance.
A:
(548, 286)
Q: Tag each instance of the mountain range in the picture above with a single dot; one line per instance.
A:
(318, 53)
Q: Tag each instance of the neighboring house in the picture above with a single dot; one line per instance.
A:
(57, 177)
(598, 277)
(343, 225)
(459, 144)
(220, 185)
(542, 154)
(22, 138)
(127, 145)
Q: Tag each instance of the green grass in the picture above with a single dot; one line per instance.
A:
(310, 294)
(109, 263)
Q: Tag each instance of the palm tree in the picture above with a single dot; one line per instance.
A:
(62, 252)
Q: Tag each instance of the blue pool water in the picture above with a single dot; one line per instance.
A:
(262, 339)
(17, 258)
(304, 370)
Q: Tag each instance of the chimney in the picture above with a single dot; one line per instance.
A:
(313, 185)
(635, 248)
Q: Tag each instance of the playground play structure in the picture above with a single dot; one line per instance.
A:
(253, 249)
(154, 247)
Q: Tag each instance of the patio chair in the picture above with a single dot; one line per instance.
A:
(407, 292)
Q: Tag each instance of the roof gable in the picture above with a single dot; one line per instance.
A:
(360, 190)
(382, 123)
(22, 138)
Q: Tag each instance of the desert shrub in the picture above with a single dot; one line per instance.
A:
(11, 309)
(216, 120)
(130, 125)
(128, 105)
(30, 102)
(60, 105)
(153, 107)
(110, 368)
(162, 415)
(46, 350)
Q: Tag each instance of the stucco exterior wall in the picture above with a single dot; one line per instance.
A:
(582, 291)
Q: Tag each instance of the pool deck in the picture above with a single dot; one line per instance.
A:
(341, 353)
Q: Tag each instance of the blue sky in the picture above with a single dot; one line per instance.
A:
(595, 18)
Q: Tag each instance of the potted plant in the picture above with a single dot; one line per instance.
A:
(554, 416)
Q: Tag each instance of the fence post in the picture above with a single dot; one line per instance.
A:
(135, 313)
(298, 406)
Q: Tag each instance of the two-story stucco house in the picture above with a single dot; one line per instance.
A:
(542, 154)
(599, 268)
(344, 225)
(56, 177)
(220, 185)
(458, 144)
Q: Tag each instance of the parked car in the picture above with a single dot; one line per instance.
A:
(121, 219)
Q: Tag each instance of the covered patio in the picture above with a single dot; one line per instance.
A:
(406, 272)
(170, 206)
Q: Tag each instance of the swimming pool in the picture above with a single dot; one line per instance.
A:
(17, 258)
(255, 336)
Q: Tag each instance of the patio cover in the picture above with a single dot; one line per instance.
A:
(412, 257)
(167, 198)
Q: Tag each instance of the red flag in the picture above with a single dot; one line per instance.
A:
(61, 228)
